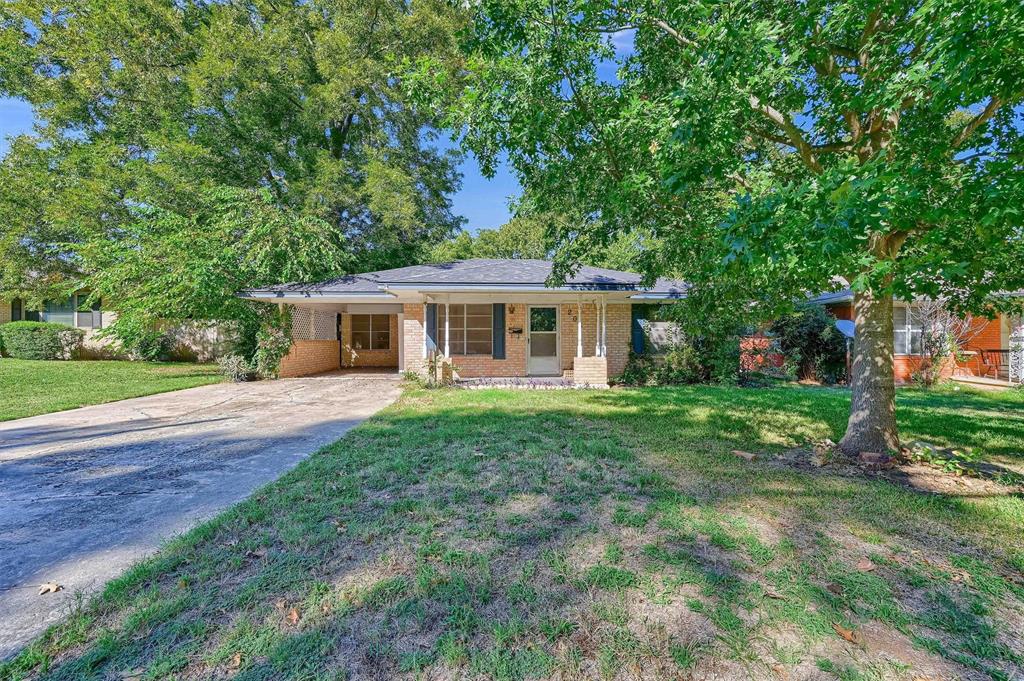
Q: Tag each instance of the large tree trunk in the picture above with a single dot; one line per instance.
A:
(872, 424)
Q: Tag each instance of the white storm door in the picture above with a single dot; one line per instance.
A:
(542, 341)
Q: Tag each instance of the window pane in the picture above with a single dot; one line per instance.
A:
(543, 318)
(478, 322)
(478, 310)
(61, 311)
(916, 319)
(360, 322)
(381, 340)
(899, 316)
(478, 335)
(381, 323)
(477, 348)
(915, 342)
(361, 340)
(16, 310)
(899, 341)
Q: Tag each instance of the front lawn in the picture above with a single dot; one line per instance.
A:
(30, 387)
(584, 534)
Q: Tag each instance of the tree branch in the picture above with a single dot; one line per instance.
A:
(978, 121)
(673, 33)
(793, 133)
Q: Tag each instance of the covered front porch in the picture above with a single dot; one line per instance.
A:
(578, 340)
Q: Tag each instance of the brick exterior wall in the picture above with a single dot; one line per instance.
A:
(590, 370)
(5, 311)
(351, 357)
(412, 338)
(990, 337)
(616, 343)
(311, 357)
(514, 364)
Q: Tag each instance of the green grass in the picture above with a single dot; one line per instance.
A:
(31, 387)
(583, 534)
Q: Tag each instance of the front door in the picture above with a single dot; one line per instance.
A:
(542, 342)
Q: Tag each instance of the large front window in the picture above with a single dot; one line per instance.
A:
(61, 311)
(470, 329)
(907, 327)
(371, 332)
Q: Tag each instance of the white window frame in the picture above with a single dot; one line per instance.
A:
(908, 329)
(352, 331)
(465, 329)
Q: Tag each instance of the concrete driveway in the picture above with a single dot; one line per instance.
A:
(86, 493)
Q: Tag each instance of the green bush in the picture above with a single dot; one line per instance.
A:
(808, 337)
(681, 365)
(236, 368)
(40, 340)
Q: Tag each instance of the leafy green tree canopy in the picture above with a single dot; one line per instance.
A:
(769, 147)
(151, 113)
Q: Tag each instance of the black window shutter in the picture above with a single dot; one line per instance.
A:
(637, 331)
(431, 327)
(16, 310)
(498, 331)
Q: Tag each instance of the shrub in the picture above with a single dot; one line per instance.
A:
(151, 346)
(237, 368)
(41, 340)
(681, 365)
(139, 339)
(273, 342)
(809, 338)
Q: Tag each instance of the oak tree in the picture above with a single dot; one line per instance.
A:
(771, 149)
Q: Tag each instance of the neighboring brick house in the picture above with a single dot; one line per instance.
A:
(991, 353)
(490, 318)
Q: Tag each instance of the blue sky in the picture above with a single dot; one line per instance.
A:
(483, 202)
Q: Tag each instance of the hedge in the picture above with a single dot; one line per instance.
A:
(40, 340)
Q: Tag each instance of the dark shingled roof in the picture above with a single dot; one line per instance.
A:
(483, 272)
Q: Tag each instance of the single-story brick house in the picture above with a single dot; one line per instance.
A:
(491, 318)
(995, 352)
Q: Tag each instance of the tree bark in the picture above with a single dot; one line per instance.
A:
(872, 424)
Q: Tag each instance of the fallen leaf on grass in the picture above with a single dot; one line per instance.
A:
(780, 672)
(865, 565)
(49, 588)
(236, 661)
(744, 455)
(848, 634)
(293, 616)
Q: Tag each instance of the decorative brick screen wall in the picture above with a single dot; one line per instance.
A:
(311, 324)
(315, 347)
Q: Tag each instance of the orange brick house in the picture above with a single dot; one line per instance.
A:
(487, 318)
(995, 352)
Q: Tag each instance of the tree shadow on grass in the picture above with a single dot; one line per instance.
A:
(511, 537)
